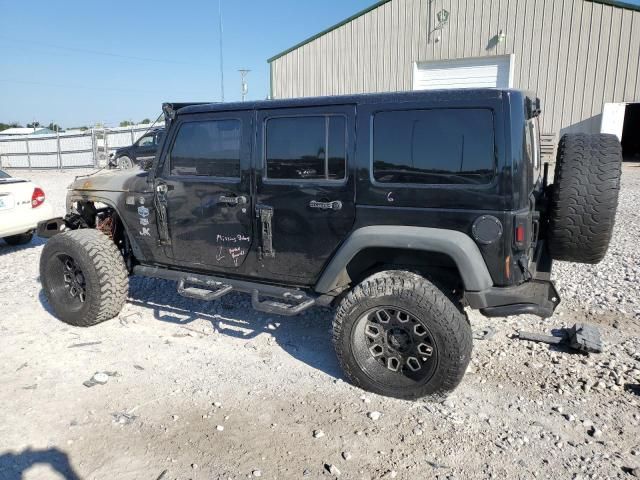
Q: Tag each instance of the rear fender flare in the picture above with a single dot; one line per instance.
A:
(457, 245)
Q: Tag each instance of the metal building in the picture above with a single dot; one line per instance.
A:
(577, 55)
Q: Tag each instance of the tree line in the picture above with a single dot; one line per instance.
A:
(57, 128)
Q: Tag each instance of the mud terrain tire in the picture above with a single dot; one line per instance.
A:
(84, 277)
(415, 305)
(584, 197)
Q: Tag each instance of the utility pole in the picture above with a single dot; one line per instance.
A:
(244, 88)
(221, 59)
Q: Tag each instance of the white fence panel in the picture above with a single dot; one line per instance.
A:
(67, 150)
(80, 159)
(14, 161)
(43, 144)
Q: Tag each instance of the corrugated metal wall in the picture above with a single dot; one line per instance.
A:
(576, 54)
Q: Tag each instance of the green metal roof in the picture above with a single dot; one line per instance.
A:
(613, 3)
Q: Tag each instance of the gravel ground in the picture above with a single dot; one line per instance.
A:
(215, 390)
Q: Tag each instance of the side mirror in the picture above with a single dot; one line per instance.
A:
(146, 164)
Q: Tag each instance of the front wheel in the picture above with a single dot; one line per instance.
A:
(398, 335)
(124, 163)
(84, 277)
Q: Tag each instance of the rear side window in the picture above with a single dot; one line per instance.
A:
(209, 148)
(443, 146)
(532, 144)
(306, 148)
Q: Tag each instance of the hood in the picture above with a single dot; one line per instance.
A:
(121, 150)
(113, 181)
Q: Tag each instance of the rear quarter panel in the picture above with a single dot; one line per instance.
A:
(452, 207)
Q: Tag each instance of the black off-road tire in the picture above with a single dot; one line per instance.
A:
(411, 293)
(20, 239)
(584, 197)
(103, 271)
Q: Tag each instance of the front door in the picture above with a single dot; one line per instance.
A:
(145, 148)
(305, 185)
(205, 187)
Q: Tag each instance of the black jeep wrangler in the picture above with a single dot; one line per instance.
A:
(399, 210)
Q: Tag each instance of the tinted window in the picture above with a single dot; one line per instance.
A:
(337, 147)
(210, 148)
(4, 174)
(443, 146)
(306, 148)
(146, 141)
(532, 146)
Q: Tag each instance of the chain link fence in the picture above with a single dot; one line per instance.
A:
(90, 148)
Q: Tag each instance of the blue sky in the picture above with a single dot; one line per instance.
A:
(50, 71)
(77, 62)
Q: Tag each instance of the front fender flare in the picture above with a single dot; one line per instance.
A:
(110, 199)
(457, 245)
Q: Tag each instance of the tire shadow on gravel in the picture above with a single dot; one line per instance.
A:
(305, 337)
(6, 249)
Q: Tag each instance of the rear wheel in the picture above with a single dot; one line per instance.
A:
(584, 197)
(19, 239)
(83, 277)
(398, 335)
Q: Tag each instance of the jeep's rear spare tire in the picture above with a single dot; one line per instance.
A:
(398, 335)
(84, 277)
(584, 197)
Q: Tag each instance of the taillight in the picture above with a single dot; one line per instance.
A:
(520, 234)
(37, 198)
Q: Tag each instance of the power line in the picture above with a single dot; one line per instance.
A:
(97, 52)
(84, 87)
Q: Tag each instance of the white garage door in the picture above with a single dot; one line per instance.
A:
(486, 72)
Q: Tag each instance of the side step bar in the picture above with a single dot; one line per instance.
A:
(208, 288)
(280, 308)
(202, 293)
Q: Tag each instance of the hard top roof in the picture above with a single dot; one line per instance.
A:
(428, 95)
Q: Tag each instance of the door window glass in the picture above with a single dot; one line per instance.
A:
(306, 148)
(337, 148)
(533, 150)
(209, 148)
(146, 141)
(443, 146)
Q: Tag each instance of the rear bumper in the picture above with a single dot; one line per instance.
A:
(535, 297)
(24, 220)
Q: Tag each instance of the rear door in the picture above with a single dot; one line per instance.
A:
(205, 187)
(305, 188)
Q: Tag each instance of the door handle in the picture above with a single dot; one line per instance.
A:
(163, 188)
(240, 200)
(334, 205)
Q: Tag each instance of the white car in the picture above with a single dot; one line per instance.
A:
(22, 206)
